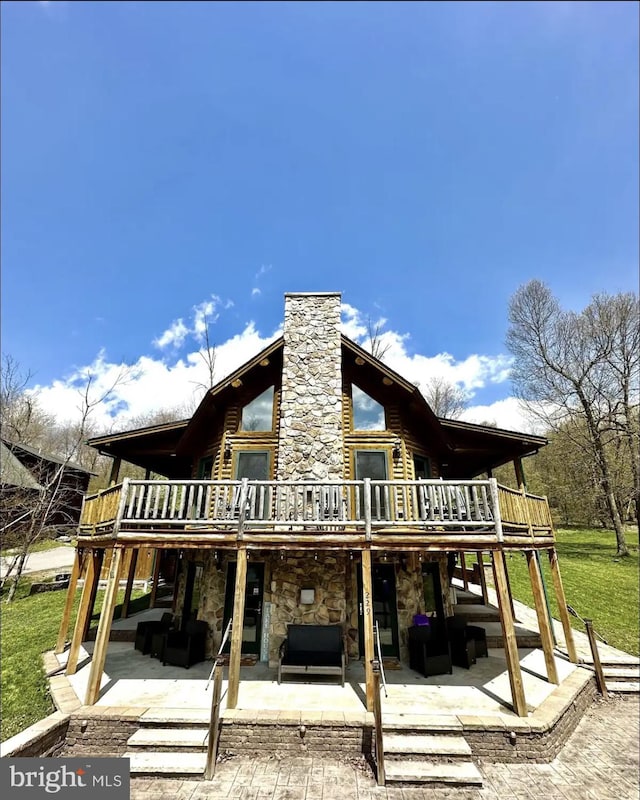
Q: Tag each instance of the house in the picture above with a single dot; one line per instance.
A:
(315, 485)
(26, 475)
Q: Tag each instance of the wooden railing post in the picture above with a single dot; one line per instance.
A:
(497, 519)
(377, 716)
(214, 722)
(236, 629)
(602, 686)
(366, 491)
(367, 621)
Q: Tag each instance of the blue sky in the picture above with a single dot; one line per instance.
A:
(425, 159)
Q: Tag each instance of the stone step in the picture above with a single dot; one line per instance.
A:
(169, 738)
(459, 773)
(175, 717)
(622, 672)
(623, 687)
(478, 614)
(165, 763)
(426, 745)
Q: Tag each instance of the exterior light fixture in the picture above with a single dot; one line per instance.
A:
(397, 449)
(227, 450)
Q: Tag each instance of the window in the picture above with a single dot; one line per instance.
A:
(256, 466)
(258, 414)
(368, 414)
(373, 464)
(421, 468)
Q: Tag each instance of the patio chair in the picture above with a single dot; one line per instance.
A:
(186, 647)
(429, 652)
(463, 646)
(146, 629)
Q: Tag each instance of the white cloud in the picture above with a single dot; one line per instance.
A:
(174, 336)
(510, 414)
(156, 383)
(255, 291)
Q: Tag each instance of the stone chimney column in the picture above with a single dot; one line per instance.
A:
(310, 443)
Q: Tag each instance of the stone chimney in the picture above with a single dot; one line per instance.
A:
(310, 445)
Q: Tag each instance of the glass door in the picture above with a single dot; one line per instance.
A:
(252, 626)
(373, 464)
(385, 609)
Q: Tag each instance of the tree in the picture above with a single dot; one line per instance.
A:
(29, 514)
(568, 368)
(445, 398)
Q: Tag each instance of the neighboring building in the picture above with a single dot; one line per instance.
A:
(27, 475)
(316, 467)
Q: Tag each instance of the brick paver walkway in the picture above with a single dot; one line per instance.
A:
(599, 762)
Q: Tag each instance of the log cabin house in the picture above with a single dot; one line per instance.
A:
(314, 485)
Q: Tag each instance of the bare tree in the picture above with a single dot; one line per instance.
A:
(21, 417)
(375, 341)
(563, 370)
(446, 399)
(208, 355)
(32, 515)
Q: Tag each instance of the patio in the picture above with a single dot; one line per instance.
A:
(134, 680)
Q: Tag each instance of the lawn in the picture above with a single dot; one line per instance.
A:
(29, 628)
(597, 584)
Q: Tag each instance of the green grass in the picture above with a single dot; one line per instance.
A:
(597, 584)
(29, 628)
(37, 547)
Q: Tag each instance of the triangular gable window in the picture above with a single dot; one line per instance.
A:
(368, 414)
(258, 414)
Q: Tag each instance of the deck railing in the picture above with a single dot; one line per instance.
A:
(480, 506)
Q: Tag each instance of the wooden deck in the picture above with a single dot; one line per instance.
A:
(434, 514)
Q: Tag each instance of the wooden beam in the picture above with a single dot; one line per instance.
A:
(508, 633)
(131, 572)
(236, 629)
(463, 569)
(367, 621)
(97, 571)
(157, 557)
(543, 618)
(90, 577)
(115, 471)
(78, 563)
(104, 628)
(562, 606)
(483, 578)
(519, 470)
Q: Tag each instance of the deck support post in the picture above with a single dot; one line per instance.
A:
(131, 571)
(543, 618)
(157, 556)
(463, 569)
(236, 629)
(104, 628)
(91, 574)
(483, 578)
(522, 485)
(115, 471)
(97, 572)
(367, 620)
(508, 633)
(562, 606)
(78, 564)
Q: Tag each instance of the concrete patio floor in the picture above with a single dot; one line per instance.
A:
(134, 680)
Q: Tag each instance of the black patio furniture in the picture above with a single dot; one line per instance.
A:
(145, 631)
(463, 646)
(313, 650)
(429, 651)
(186, 647)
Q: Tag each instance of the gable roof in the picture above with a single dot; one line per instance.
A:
(18, 449)
(153, 447)
(465, 449)
(13, 472)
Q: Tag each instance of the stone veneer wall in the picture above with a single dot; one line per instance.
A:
(311, 395)
(333, 576)
(299, 570)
